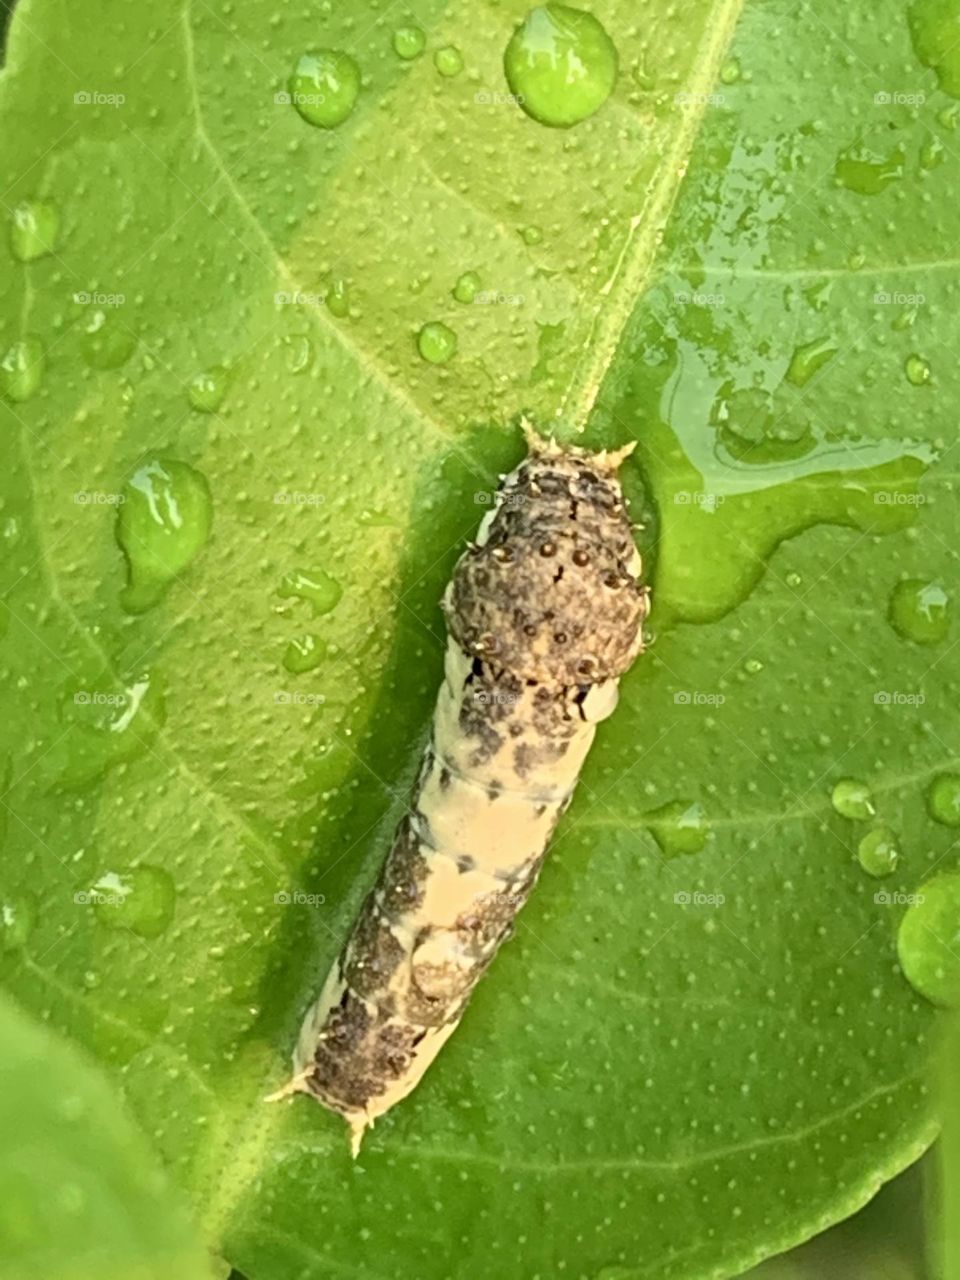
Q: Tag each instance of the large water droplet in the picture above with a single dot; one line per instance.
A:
(409, 42)
(920, 611)
(808, 359)
(324, 87)
(935, 30)
(303, 654)
(436, 342)
(943, 799)
(18, 915)
(678, 827)
(34, 227)
(338, 299)
(448, 60)
(106, 342)
(561, 64)
(917, 370)
(868, 174)
(928, 941)
(207, 389)
(853, 799)
(110, 723)
(878, 852)
(317, 587)
(21, 370)
(162, 523)
(138, 898)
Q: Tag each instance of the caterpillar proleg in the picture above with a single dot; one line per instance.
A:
(544, 614)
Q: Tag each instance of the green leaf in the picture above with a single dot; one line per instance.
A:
(82, 1195)
(682, 1064)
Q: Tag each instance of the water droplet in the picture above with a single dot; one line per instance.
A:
(338, 299)
(467, 287)
(317, 587)
(878, 852)
(753, 666)
(928, 941)
(448, 60)
(730, 71)
(34, 227)
(678, 827)
(324, 87)
(561, 64)
(531, 235)
(138, 898)
(409, 42)
(106, 342)
(917, 370)
(853, 799)
(162, 523)
(866, 173)
(808, 359)
(905, 320)
(436, 342)
(304, 654)
(931, 154)
(943, 799)
(794, 580)
(933, 29)
(21, 370)
(207, 389)
(18, 915)
(920, 611)
(299, 352)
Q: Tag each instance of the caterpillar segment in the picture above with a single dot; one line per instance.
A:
(544, 615)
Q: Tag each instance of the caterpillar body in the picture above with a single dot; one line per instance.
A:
(544, 614)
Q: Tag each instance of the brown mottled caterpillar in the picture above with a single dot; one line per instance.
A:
(544, 615)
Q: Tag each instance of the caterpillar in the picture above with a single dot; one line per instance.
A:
(544, 614)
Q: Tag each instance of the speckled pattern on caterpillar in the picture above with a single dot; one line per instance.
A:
(544, 614)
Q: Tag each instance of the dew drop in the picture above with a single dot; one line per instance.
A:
(809, 359)
(730, 71)
(561, 64)
(318, 588)
(338, 299)
(928, 940)
(448, 60)
(467, 287)
(21, 370)
(531, 235)
(920, 611)
(852, 799)
(866, 173)
(207, 389)
(34, 227)
(678, 827)
(303, 654)
(139, 898)
(917, 370)
(106, 342)
(943, 799)
(324, 87)
(409, 42)
(436, 342)
(931, 154)
(299, 353)
(878, 852)
(162, 523)
(18, 915)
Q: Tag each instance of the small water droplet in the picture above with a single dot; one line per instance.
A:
(753, 666)
(931, 153)
(531, 235)
(561, 64)
(21, 370)
(853, 799)
(207, 389)
(106, 342)
(794, 580)
(730, 71)
(139, 898)
(321, 590)
(409, 42)
(467, 287)
(303, 654)
(18, 915)
(905, 320)
(436, 342)
(324, 87)
(920, 611)
(34, 227)
(928, 940)
(943, 799)
(678, 827)
(338, 299)
(448, 60)
(878, 852)
(917, 370)
(162, 523)
(299, 353)
(808, 359)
